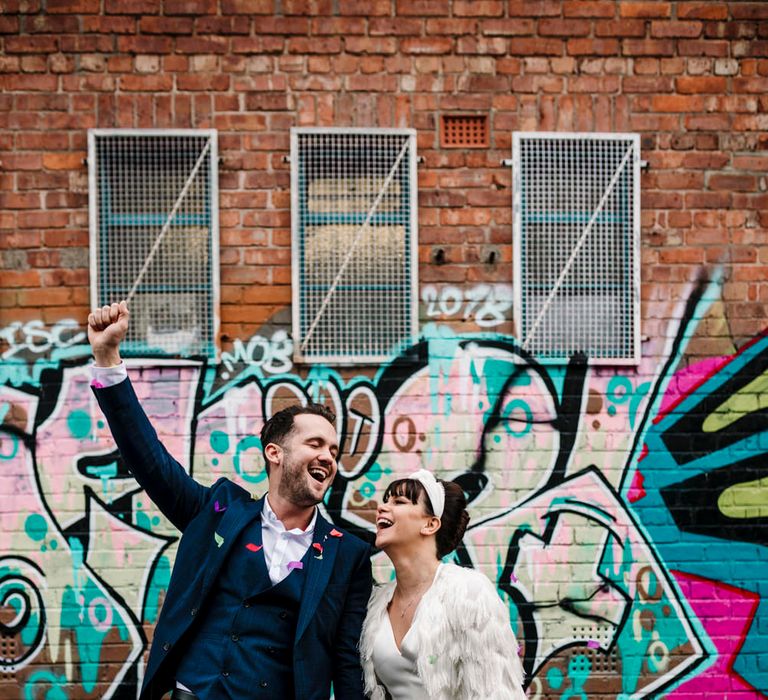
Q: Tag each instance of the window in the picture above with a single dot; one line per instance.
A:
(353, 215)
(576, 234)
(154, 236)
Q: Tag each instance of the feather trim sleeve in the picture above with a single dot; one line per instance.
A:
(468, 647)
(377, 608)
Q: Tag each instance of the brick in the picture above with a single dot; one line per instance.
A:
(82, 7)
(238, 24)
(147, 44)
(217, 82)
(493, 46)
(422, 8)
(589, 8)
(564, 27)
(197, 45)
(308, 7)
(344, 26)
(394, 26)
(9, 25)
(366, 45)
(306, 45)
(749, 10)
(534, 8)
(733, 183)
(536, 47)
(52, 24)
(453, 27)
(593, 84)
(132, 7)
(695, 47)
(688, 30)
(478, 8)
(189, 7)
(21, 278)
(620, 28)
(708, 122)
(365, 8)
(592, 47)
(108, 24)
(31, 44)
(507, 27)
(146, 83)
(166, 25)
(426, 45)
(704, 84)
(645, 10)
(247, 7)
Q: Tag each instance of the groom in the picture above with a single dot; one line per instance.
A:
(267, 598)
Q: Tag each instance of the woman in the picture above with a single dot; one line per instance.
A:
(438, 631)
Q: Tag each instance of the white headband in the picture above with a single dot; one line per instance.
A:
(435, 490)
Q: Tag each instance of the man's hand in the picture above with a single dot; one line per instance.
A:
(107, 327)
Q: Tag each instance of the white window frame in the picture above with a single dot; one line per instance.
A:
(211, 162)
(634, 163)
(296, 231)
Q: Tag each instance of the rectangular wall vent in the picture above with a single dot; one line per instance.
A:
(464, 131)
(576, 235)
(354, 243)
(154, 236)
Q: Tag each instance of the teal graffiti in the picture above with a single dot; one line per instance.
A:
(525, 423)
(79, 424)
(579, 668)
(252, 441)
(11, 452)
(55, 691)
(621, 391)
(219, 441)
(36, 527)
(105, 473)
(161, 578)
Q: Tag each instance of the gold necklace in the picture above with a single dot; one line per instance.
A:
(418, 595)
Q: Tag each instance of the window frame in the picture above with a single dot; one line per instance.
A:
(213, 349)
(633, 270)
(296, 246)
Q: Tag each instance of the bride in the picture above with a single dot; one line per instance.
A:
(439, 631)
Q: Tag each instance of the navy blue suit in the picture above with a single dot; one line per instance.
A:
(331, 594)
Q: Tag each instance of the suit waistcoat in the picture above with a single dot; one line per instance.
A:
(247, 623)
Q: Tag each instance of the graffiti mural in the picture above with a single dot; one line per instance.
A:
(621, 512)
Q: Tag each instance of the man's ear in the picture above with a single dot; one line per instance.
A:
(273, 452)
(432, 526)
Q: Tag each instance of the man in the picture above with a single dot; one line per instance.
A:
(267, 598)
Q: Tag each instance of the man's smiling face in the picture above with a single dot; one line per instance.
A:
(308, 464)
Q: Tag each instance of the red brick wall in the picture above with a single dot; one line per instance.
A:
(691, 77)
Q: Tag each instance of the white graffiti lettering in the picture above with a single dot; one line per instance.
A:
(273, 355)
(33, 337)
(487, 304)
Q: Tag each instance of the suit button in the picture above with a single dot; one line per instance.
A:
(283, 615)
(263, 684)
(246, 604)
(166, 646)
(225, 674)
(235, 638)
(193, 612)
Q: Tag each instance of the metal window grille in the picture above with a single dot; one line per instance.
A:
(576, 235)
(354, 243)
(154, 236)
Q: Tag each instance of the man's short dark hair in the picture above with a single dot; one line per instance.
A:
(279, 426)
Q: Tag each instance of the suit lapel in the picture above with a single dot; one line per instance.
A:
(319, 568)
(237, 515)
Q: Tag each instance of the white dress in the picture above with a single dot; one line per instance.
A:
(396, 668)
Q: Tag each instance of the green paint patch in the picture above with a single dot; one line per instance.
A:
(219, 442)
(749, 399)
(161, 578)
(142, 520)
(79, 424)
(36, 527)
(746, 500)
(247, 443)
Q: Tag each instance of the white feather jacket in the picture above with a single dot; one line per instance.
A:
(466, 647)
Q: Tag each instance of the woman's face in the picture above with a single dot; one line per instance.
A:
(398, 521)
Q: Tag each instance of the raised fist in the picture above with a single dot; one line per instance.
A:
(107, 328)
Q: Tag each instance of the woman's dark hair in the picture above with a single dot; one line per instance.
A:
(453, 521)
(278, 427)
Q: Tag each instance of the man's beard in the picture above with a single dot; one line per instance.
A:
(293, 485)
